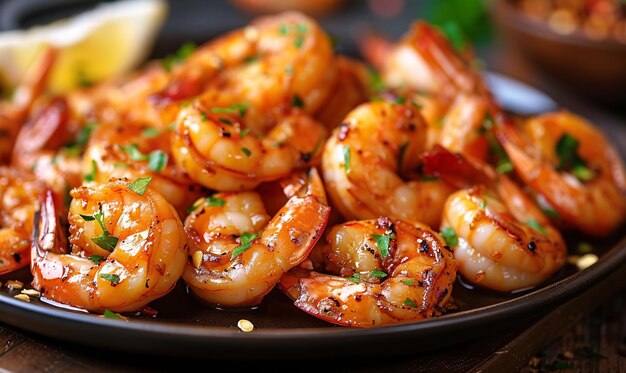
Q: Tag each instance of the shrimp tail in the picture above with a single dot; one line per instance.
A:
(375, 48)
(455, 169)
(47, 236)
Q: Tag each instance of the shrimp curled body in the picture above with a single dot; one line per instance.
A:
(143, 263)
(237, 254)
(410, 279)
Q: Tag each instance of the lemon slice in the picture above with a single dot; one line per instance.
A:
(99, 44)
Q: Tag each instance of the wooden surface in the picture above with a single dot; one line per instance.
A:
(586, 336)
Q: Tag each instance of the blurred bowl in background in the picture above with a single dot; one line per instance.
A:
(594, 68)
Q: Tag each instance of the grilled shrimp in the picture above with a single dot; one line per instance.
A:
(568, 162)
(364, 158)
(128, 248)
(384, 272)
(500, 237)
(425, 60)
(238, 253)
(133, 151)
(273, 63)
(19, 191)
(216, 149)
(13, 114)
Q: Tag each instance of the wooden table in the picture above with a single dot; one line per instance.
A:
(586, 334)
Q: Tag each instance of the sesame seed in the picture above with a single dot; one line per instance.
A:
(197, 259)
(31, 292)
(245, 325)
(22, 297)
(15, 284)
(586, 260)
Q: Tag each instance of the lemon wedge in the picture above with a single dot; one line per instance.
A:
(99, 44)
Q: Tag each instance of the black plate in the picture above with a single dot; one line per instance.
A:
(186, 327)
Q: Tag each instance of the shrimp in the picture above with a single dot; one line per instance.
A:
(350, 89)
(43, 146)
(499, 236)
(13, 114)
(567, 161)
(363, 160)
(19, 192)
(133, 151)
(211, 144)
(424, 60)
(275, 62)
(128, 248)
(385, 272)
(238, 254)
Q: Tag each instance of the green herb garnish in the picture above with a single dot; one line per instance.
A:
(346, 159)
(449, 235)
(534, 224)
(246, 241)
(382, 242)
(409, 302)
(105, 240)
(378, 273)
(113, 278)
(139, 186)
(238, 108)
(179, 56)
(356, 278)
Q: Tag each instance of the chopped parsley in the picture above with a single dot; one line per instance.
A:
(549, 212)
(449, 235)
(409, 302)
(150, 132)
(246, 151)
(94, 171)
(408, 282)
(113, 278)
(244, 132)
(179, 56)
(112, 315)
(483, 204)
(378, 273)
(569, 159)
(95, 258)
(346, 159)
(382, 242)
(534, 224)
(104, 240)
(157, 160)
(246, 241)
(210, 201)
(237, 108)
(356, 278)
(139, 186)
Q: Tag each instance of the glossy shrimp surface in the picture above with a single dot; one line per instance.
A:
(268, 65)
(127, 249)
(383, 272)
(570, 163)
(133, 151)
(500, 237)
(425, 60)
(19, 192)
(364, 159)
(216, 148)
(238, 253)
